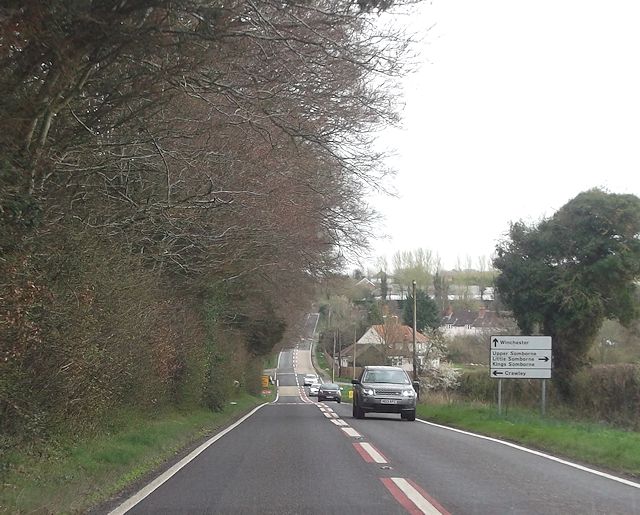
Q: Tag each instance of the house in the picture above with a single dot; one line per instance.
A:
(465, 322)
(365, 284)
(460, 291)
(390, 344)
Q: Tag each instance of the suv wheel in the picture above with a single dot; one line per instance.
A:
(408, 415)
(357, 412)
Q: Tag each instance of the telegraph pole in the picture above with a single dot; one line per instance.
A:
(333, 357)
(415, 367)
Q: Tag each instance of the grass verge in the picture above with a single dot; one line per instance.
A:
(69, 476)
(601, 446)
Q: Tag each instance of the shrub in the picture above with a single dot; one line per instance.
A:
(609, 393)
(444, 377)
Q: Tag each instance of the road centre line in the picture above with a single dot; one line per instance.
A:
(351, 432)
(369, 453)
(169, 473)
(537, 453)
(412, 497)
(338, 422)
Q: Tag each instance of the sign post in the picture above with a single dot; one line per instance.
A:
(520, 357)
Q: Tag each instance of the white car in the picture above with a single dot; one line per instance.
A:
(313, 389)
(309, 379)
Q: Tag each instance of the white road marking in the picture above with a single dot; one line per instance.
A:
(350, 431)
(168, 474)
(537, 453)
(328, 415)
(339, 422)
(290, 403)
(372, 452)
(416, 497)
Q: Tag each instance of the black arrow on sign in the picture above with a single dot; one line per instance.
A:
(546, 358)
(495, 342)
(496, 373)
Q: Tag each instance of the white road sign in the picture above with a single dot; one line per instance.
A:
(520, 357)
(521, 373)
(521, 342)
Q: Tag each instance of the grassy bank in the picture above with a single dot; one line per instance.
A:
(598, 445)
(69, 475)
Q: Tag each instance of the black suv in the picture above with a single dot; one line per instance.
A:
(384, 390)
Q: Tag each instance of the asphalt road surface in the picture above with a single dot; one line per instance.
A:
(297, 456)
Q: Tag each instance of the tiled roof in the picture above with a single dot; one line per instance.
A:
(398, 333)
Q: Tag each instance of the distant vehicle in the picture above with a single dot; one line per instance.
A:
(313, 389)
(384, 390)
(309, 379)
(329, 392)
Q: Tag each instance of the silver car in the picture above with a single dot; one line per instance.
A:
(384, 390)
(313, 389)
(309, 379)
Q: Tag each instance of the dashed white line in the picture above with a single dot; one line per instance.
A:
(413, 499)
(350, 431)
(370, 453)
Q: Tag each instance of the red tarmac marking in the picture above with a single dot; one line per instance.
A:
(424, 503)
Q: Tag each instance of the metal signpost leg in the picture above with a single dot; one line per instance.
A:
(544, 397)
(499, 397)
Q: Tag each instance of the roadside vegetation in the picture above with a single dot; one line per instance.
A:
(588, 443)
(68, 475)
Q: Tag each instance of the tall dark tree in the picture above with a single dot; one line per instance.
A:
(216, 149)
(384, 284)
(569, 273)
(427, 312)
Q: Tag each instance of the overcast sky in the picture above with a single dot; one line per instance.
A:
(517, 108)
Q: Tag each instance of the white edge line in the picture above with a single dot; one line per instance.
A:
(537, 453)
(169, 473)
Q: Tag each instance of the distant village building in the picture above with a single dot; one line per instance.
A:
(390, 344)
(472, 292)
(466, 322)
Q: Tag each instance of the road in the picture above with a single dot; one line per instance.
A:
(297, 456)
